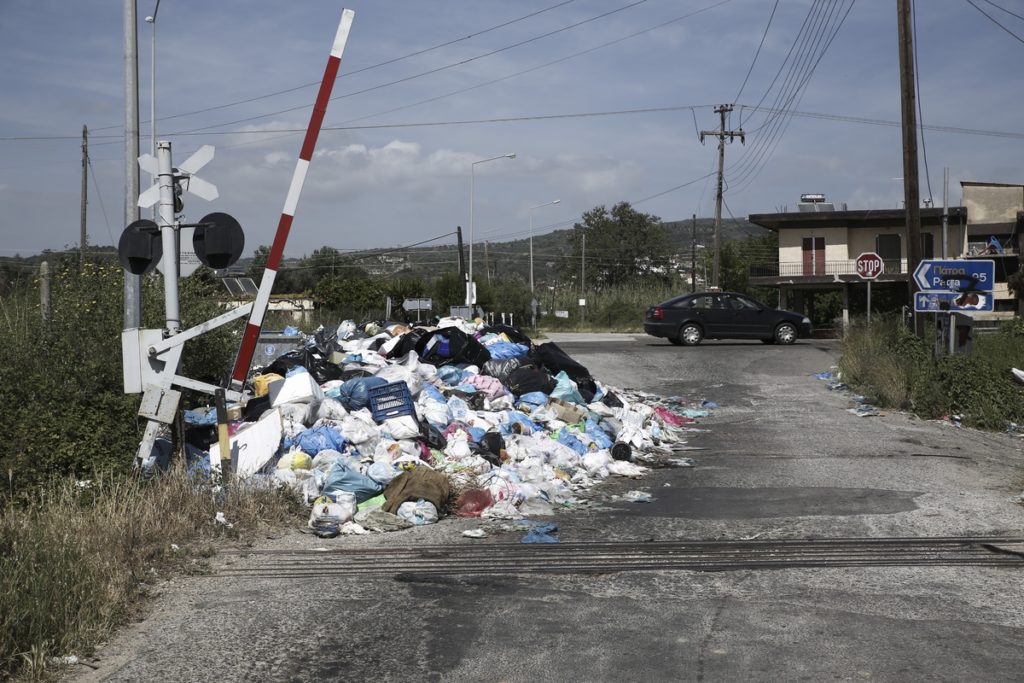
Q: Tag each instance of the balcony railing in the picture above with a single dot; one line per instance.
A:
(800, 269)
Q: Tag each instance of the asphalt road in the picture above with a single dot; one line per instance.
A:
(781, 458)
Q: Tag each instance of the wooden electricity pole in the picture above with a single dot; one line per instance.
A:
(911, 194)
(721, 134)
(85, 194)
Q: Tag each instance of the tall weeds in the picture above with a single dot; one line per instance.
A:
(77, 561)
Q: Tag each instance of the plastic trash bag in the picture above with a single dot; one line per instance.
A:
(355, 393)
(383, 473)
(473, 502)
(295, 460)
(322, 438)
(341, 477)
(331, 409)
(403, 427)
(541, 533)
(418, 513)
(328, 510)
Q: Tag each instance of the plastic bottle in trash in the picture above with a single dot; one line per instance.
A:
(622, 451)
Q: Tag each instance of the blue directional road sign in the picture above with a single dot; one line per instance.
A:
(951, 275)
(952, 302)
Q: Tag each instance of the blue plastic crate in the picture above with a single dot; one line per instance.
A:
(390, 400)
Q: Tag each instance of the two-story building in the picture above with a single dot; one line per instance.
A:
(819, 245)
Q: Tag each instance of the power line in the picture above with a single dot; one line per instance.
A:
(100, 197)
(756, 54)
(920, 115)
(959, 130)
(365, 68)
(428, 72)
(995, 21)
(1012, 14)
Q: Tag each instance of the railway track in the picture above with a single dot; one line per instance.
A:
(607, 557)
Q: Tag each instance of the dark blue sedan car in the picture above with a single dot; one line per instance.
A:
(690, 318)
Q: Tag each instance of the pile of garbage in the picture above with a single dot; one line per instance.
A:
(385, 427)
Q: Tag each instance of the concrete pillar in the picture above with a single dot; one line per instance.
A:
(846, 305)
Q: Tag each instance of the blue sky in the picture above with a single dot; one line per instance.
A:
(380, 177)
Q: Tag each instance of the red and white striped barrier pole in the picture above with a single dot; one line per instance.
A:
(259, 308)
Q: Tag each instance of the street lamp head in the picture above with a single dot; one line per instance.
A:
(150, 19)
(511, 156)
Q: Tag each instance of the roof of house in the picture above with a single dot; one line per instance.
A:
(870, 218)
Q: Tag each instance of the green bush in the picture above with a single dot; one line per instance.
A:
(887, 362)
(61, 380)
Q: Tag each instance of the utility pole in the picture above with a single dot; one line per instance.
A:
(583, 276)
(721, 134)
(487, 263)
(85, 194)
(693, 256)
(911, 195)
(462, 261)
(132, 283)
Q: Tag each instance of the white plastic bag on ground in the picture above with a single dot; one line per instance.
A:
(403, 427)
(303, 482)
(327, 512)
(297, 388)
(331, 409)
(419, 513)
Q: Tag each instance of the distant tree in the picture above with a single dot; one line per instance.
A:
(258, 263)
(354, 294)
(449, 290)
(622, 245)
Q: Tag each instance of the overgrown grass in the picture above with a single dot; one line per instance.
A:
(78, 560)
(887, 362)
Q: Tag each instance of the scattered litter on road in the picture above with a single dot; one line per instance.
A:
(474, 533)
(637, 497)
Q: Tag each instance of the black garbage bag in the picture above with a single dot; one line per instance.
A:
(407, 342)
(524, 380)
(451, 346)
(316, 362)
(501, 368)
(432, 436)
(553, 359)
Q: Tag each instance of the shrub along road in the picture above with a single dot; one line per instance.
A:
(782, 459)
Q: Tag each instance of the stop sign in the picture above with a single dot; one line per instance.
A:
(869, 265)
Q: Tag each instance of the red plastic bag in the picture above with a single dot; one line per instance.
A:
(473, 502)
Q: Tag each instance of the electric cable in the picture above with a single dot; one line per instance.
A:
(995, 21)
(920, 115)
(756, 54)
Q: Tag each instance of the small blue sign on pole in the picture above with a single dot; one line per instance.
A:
(956, 275)
(952, 302)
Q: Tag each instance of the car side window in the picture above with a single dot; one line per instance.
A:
(701, 302)
(740, 304)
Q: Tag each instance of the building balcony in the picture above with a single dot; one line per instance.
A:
(831, 270)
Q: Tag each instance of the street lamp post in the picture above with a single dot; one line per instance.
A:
(470, 298)
(533, 298)
(151, 20)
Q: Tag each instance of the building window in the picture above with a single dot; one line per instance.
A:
(927, 245)
(891, 251)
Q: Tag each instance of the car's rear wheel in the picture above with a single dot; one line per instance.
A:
(675, 340)
(690, 334)
(785, 333)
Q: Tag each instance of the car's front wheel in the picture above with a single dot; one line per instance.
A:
(690, 334)
(785, 333)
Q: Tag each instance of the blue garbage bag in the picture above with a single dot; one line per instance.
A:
(566, 390)
(342, 477)
(355, 393)
(518, 424)
(534, 399)
(541, 533)
(201, 416)
(316, 439)
(432, 393)
(506, 350)
(449, 375)
(291, 331)
(595, 432)
(566, 438)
